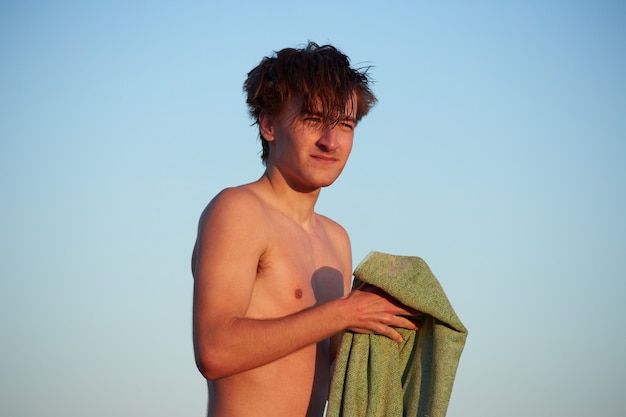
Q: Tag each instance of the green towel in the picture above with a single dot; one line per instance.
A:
(375, 376)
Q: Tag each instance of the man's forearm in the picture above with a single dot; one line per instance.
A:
(243, 343)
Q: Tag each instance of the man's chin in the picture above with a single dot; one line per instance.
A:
(327, 184)
(315, 186)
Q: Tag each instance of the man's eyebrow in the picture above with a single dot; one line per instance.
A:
(313, 113)
(332, 120)
(345, 118)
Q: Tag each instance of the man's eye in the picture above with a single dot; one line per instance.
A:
(313, 122)
(347, 125)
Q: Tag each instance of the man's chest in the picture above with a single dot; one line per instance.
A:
(297, 272)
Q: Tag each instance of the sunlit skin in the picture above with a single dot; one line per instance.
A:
(307, 151)
(272, 278)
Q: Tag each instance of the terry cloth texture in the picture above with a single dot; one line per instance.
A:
(377, 377)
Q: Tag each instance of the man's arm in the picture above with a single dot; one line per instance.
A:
(230, 243)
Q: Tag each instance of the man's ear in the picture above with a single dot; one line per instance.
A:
(266, 125)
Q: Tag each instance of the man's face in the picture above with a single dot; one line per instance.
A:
(306, 149)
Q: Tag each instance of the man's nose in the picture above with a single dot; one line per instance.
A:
(329, 140)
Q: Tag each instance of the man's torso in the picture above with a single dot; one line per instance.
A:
(300, 268)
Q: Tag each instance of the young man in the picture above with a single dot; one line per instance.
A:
(272, 277)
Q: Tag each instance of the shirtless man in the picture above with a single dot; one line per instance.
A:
(272, 277)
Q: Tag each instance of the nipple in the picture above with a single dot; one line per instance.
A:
(298, 293)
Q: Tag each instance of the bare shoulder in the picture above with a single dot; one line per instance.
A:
(232, 202)
(231, 223)
(340, 241)
(234, 214)
(334, 229)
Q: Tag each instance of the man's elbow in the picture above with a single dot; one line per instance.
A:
(211, 364)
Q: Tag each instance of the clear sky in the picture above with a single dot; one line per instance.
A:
(497, 152)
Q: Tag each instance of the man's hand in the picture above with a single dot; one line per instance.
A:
(376, 312)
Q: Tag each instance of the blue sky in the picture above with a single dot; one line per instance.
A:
(497, 152)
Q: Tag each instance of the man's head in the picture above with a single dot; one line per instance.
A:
(321, 75)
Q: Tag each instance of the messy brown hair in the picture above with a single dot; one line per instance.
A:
(321, 74)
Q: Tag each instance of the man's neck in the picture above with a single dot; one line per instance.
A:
(295, 203)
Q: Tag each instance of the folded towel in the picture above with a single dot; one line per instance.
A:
(375, 376)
